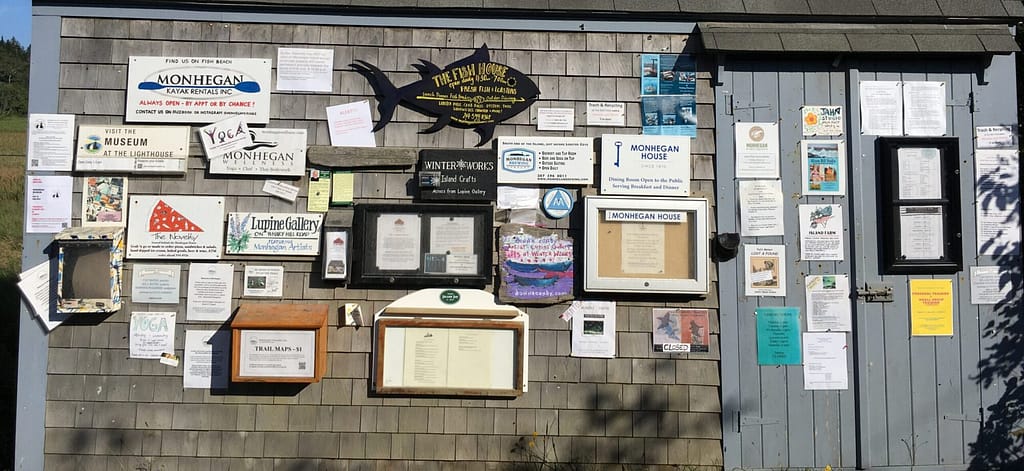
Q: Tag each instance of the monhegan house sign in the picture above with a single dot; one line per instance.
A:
(469, 93)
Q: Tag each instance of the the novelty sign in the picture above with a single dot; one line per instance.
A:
(273, 152)
(197, 89)
(274, 233)
(134, 149)
(462, 174)
(469, 93)
(645, 165)
(168, 226)
(533, 159)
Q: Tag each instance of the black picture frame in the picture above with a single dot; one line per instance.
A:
(895, 206)
(457, 267)
(335, 267)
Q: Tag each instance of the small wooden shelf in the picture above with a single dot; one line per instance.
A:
(271, 343)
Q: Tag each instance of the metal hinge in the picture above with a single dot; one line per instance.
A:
(876, 292)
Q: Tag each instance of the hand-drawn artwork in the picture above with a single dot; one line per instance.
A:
(472, 92)
(536, 265)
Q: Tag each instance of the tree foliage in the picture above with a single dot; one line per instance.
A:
(14, 64)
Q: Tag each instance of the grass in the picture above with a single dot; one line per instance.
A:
(12, 191)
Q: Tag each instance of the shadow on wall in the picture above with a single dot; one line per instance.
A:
(1000, 443)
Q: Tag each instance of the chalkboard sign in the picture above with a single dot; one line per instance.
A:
(457, 175)
(469, 93)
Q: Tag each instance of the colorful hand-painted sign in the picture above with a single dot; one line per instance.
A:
(472, 92)
(536, 265)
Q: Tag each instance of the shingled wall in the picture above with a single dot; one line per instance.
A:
(106, 411)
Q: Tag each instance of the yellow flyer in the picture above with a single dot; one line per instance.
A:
(931, 307)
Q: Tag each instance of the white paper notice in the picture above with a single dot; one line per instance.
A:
(556, 119)
(265, 281)
(821, 232)
(761, 208)
(757, 150)
(593, 330)
(206, 359)
(988, 285)
(225, 136)
(510, 197)
(921, 232)
(398, 242)
(47, 203)
(920, 170)
(765, 270)
(828, 303)
(152, 333)
(606, 114)
(157, 284)
(997, 174)
(350, 124)
(881, 108)
(305, 70)
(209, 291)
(924, 108)
(825, 361)
(996, 137)
(40, 290)
(51, 141)
(281, 190)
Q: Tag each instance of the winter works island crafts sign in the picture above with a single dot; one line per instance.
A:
(470, 93)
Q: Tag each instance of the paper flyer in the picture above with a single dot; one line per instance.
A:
(825, 361)
(152, 334)
(931, 307)
(305, 69)
(989, 286)
(761, 208)
(593, 330)
(881, 108)
(681, 330)
(350, 124)
(51, 142)
(765, 270)
(209, 291)
(828, 303)
(207, 364)
(822, 120)
(824, 167)
(821, 232)
(47, 203)
(778, 335)
(757, 150)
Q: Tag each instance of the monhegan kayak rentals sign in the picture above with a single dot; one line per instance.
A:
(197, 89)
(469, 93)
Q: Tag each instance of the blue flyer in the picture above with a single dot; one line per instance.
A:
(778, 335)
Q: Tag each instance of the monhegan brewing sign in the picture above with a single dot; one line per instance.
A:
(135, 149)
(470, 93)
(197, 89)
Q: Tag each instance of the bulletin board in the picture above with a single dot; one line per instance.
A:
(646, 245)
(449, 357)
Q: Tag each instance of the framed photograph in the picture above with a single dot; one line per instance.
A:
(336, 250)
(422, 245)
(824, 167)
(103, 201)
(919, 200)
(646, 245)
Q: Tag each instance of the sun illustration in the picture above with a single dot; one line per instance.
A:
(811, 119)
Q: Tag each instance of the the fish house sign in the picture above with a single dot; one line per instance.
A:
(470, 93)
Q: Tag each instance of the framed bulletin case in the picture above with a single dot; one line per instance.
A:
(279, 343)
(920, 205)
(646, 245)
(422, 245)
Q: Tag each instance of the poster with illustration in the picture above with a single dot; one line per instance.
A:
(168, 226)
(535, 265)
(765, 270)
(681, 330)
(103, 201)
(824, 167)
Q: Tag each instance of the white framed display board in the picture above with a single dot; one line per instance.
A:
(646, 245)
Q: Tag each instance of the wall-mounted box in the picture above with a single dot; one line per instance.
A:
(646, 245)
(279, 343)
(84, 255)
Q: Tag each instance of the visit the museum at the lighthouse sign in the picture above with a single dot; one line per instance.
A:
(197, 89)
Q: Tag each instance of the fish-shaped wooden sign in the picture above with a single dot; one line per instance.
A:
(469, 93)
